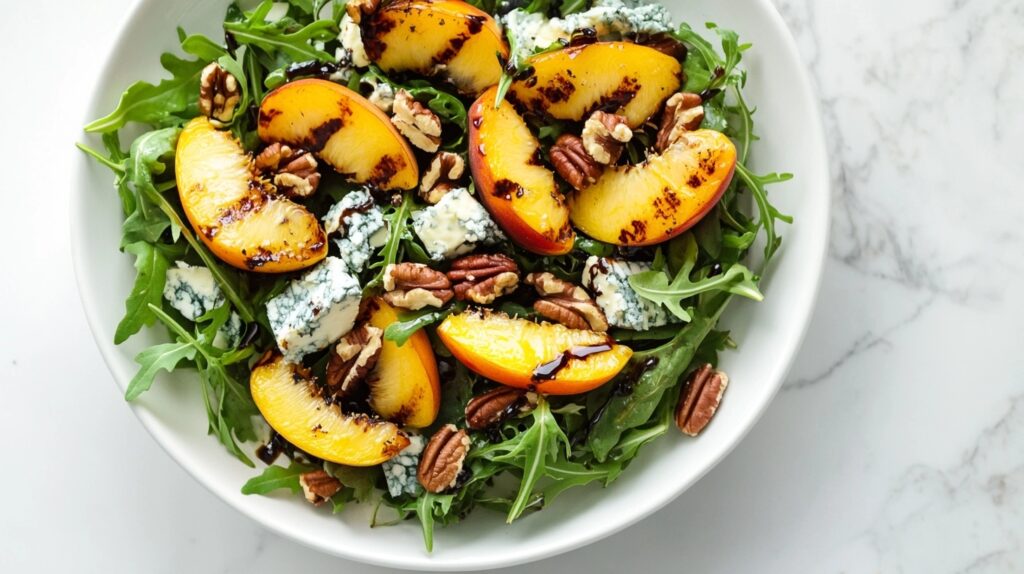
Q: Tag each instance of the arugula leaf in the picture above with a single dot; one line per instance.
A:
(361, 480)
(276, 477)
(398, 223)
(400, 331)
(151, 271)
(165, 357)
(768, 214)
(285, 35)
(428, 506)
(665, 365)
(655, 286)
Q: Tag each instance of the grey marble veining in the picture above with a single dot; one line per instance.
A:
(897, 445)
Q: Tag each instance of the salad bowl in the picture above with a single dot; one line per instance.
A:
(768, 333)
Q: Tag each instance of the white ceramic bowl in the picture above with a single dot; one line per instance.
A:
(769, 333)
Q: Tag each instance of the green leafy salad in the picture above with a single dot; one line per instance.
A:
(436, 255)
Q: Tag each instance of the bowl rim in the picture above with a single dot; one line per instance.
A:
(815, 269)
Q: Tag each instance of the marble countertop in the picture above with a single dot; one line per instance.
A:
(897, 444)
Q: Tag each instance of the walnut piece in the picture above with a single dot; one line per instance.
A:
(219, 94)
(683, 113)
(415, 286)
(700, 399)
(445, 170)
(483, 278)
(494, 406)
(418, 124)
(570, 158)
(442, 458)
(565, 303)
(353, 358)
(356, 9)
(604, 136)
(318, 486)
(294, 171)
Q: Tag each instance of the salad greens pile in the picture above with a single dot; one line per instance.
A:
(566, 441)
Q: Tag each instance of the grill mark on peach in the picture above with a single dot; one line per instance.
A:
(267, 115)
(636, 233)
(504, 188)
(386, 169)
(320, 134)
(241, 209)
(559, 89)
(619, 97)
(666, 204)
(373, 30)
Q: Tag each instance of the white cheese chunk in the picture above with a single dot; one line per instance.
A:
(361, 226)
(315, 310)
(455, 225)
(400, 471)
(352, 42)
(533, 32)
(608, 280)
(192, 290)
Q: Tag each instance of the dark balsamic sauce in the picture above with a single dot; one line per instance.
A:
(549, 370)
(312, 68)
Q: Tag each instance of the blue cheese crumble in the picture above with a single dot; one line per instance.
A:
(608, 280)
(193, 292)
(315, 310)
(361, 226)
(455, 225)
(400, 471)
(533, 32)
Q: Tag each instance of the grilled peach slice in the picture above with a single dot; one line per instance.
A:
(656, 200)
(236, 214)
(405, 387)
(620, 77)
(343, 129)
(511, 182)
(545, 357)
(290, 401)
(447, 38)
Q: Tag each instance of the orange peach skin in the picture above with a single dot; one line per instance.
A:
(343, 129)
(286, 397)
(508, 351)
(621, 77)
(405, 387)
(446, 38)
(236, 214)
(657, 200)
(518, 191)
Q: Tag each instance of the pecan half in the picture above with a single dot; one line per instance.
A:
(445, 169)
(565, 303)
(318, 486)
(416, 122)
(356, 9)
(219, 94)
(570, 158)
(353, 358)
(295, 170)
(415, 286)
(494, 406)
(483, 278)
(441, 461)
(683, 113)
(700, 399)
(605, 135)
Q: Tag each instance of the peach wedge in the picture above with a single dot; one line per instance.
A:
(549, 358)
(291, 403)
(512, 184)
(620, 77)
(237, 215)
(343, 129)
(405, 387)
(447, 38)
(660, 198)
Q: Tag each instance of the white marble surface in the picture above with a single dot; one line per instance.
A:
(896, 446)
